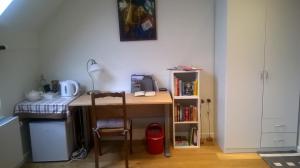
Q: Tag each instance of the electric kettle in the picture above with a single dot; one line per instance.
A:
(68, 88)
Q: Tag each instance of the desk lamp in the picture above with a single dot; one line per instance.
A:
(93, 69)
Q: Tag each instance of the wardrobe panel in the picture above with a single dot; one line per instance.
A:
(246, 32)
(282, 60)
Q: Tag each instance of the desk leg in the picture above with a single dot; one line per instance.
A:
(75, 116)
(167, 130)
(82, 128)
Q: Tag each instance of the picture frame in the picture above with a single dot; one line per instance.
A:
(137, 20)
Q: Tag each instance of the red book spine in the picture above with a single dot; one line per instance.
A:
(191, 113)
(179, 87)
(186, 114)
(175, 86)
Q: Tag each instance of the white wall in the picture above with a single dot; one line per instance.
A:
(89, 28)
(19, 67)
(19, 71)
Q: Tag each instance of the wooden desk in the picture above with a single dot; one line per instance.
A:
(161, 98)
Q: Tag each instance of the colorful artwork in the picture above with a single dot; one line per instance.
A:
(137, 20)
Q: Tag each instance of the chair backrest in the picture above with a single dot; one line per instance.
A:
(96, 112)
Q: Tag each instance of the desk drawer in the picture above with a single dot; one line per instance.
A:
(279, 140)
(278, 125)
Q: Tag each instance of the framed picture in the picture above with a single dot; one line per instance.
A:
(137, 20)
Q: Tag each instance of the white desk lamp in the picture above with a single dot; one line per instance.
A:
(93, 69)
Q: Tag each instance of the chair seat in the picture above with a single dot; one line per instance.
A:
(112, 123)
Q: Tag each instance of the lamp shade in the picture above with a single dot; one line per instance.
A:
(94, 70)
(94, 67)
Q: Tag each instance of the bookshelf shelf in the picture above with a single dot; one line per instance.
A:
(184, 147)
(186, 97)
(186, 122)
(186, 108)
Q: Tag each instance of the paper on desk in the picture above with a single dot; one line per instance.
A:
(150, 93)
(143, 93)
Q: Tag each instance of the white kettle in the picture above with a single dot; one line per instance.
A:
(68, 88)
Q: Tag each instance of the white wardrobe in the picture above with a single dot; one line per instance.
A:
(257, 67)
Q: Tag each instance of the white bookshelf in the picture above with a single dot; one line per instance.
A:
(186, 108)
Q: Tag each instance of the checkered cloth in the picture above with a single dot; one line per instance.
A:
(57, 105)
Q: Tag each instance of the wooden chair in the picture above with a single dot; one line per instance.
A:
(118, 125)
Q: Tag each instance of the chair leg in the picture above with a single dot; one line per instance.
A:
(126, 150)
(99, 148)
(130, 142)
(96, 150)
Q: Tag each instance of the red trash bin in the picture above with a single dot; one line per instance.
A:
(155, 138)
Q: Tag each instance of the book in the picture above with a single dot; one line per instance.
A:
(177, 112)
(188, 88)
(191, 132)
(176, 87)
(195, 91)
(186, 114)
(195, 113)
(185, 88)
(195, 136)
(144, 93)
(181, 141)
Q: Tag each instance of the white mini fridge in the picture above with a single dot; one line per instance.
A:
(51, 140)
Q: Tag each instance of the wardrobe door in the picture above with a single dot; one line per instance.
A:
(282, 67)
(246, 32)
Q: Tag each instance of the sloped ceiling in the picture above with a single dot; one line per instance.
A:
(28, 15)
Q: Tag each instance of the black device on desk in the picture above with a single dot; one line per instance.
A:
(142, 83)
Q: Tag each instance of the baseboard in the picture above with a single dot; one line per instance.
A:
(26, 157)
(240, 150)
(206, 134)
